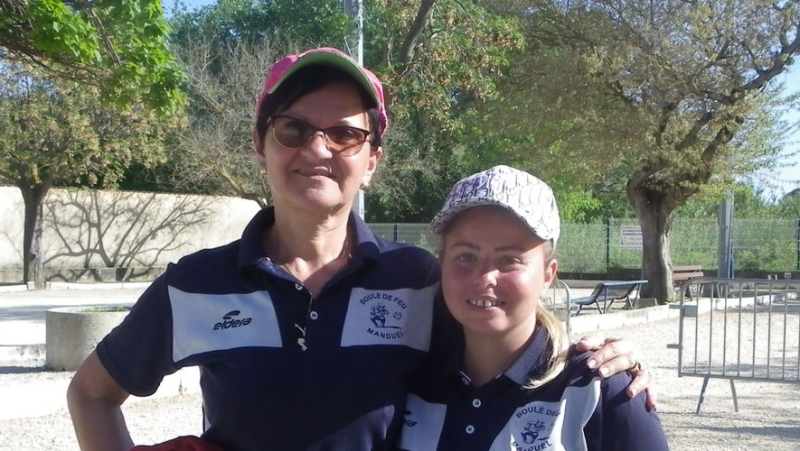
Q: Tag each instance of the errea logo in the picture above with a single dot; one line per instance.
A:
(229, 320)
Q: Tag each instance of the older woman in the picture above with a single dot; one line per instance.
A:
(308, 328)
(514, 384)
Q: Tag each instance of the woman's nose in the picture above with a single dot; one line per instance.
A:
(318, 143)
(487, 274)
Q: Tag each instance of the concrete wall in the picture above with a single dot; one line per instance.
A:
(85, 231)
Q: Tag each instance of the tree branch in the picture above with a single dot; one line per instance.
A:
(423, 15)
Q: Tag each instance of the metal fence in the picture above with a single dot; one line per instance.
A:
(765, 245)
(739, 329)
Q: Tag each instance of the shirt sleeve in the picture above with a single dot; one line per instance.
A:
(625, 423)
(138, 353)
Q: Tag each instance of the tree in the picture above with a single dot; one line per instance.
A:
(60, 133)
(789, 204)
(433, 56)
(118, 46)
(678, 94)
(440, 61)
(214, 152)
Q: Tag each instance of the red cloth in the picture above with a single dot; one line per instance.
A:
(185, 443)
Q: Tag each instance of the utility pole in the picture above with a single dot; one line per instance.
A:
(725, 239)
(354, 46)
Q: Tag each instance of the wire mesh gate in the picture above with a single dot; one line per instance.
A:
(739, 329)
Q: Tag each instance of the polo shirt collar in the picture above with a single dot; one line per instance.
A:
(251, 251)
(530, 364)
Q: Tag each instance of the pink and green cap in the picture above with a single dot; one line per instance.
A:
(326, 56)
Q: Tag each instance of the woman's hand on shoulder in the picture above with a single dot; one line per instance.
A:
(614, 355)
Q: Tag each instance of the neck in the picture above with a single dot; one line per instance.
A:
(486, 357)
(312, 254)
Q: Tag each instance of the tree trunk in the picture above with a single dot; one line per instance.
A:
(655, 218)
(32, 268)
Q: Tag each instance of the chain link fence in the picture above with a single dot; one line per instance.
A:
(758, 244)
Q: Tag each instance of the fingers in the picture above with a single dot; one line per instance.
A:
(616, 364)
(651, 403)
(640, 380)
(591, 342)
(643, 381)
(613, 357)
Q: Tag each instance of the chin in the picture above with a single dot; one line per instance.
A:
(485, 328)
(322, 200)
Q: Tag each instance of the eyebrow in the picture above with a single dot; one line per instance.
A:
(344, 122)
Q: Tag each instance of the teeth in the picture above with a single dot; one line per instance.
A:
(311, 172)
(482, 303)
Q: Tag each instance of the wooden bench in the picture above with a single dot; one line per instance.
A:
(681, 274)
(608, 292)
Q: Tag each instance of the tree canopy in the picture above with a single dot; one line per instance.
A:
(118, 46)
(432, 56)
(61, 133)
(676, 95)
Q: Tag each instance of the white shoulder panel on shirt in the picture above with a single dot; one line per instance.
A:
(422, 424)
(390, 317)
(551, 426)
(211, 322)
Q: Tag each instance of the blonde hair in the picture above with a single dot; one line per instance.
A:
(557, 338)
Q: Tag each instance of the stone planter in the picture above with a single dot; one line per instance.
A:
(72, 333)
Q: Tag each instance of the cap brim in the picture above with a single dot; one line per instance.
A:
(444, 218)
(339, 61)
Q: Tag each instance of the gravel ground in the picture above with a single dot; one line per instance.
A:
(767, 418)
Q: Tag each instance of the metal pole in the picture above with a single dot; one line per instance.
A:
(725, 238)
(354, 46)
(608, 244)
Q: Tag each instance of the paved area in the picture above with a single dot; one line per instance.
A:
(23, 316)
(27, 390)
(23, 313)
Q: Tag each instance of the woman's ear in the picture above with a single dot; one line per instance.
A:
(258, 148)
(550, 270)
(372, 165)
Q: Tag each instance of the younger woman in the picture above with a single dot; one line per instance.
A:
(515, 385)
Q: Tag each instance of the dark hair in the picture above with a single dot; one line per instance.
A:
(306, 81)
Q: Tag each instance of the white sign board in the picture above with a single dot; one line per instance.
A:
(631, 237)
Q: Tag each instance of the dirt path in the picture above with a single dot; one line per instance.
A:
(767, 418)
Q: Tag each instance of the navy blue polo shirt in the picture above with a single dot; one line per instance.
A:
(577, 411)
(238, 316)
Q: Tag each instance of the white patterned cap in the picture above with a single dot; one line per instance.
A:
(529, 198)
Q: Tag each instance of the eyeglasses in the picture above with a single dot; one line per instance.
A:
(295, 133)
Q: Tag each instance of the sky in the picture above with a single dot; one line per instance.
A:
(786, 176)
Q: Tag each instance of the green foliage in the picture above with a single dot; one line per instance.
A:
(437, 72)
(577, 206)
(435, 76)
(789, 205)
(228, 23)
(60, 133)
(118, 46)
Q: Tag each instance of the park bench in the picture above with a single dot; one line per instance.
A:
(681, 274)
(608, 292)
